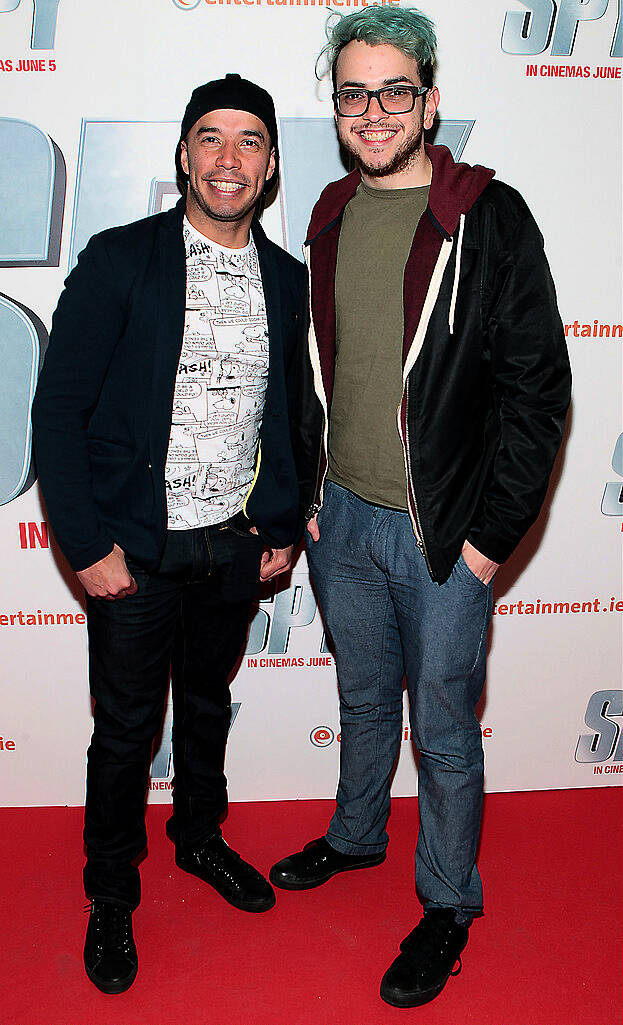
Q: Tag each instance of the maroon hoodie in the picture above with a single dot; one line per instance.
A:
(453, 191)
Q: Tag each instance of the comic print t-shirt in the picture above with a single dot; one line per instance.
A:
(220, 384)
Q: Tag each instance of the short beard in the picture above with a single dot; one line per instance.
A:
(401, 161)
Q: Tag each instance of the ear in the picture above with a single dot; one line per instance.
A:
(184, 157)
(270, 170)
(430, 106)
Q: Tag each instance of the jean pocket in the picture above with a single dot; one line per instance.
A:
(468, 573)
(240, 525)
(240, 532)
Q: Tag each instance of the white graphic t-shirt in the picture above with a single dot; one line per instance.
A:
(220, 385)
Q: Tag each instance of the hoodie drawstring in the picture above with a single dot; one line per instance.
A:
(457, 271)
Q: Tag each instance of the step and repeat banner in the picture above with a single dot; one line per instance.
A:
(92, 98)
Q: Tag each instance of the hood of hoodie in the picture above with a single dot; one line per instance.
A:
(454, 190)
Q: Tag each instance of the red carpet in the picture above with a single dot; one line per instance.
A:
(547, 952)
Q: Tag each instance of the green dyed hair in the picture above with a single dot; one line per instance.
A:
(406, 28)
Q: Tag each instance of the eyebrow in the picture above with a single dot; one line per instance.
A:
(248, 132)
(386, 81)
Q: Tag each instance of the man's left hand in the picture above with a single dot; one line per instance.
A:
(275, 561)
(482, 567)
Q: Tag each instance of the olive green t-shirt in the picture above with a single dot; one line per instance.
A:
(365, 453)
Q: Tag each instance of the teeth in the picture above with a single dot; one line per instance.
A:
(380, 136)
(226, 186)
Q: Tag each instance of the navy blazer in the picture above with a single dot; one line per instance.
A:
(102, 409)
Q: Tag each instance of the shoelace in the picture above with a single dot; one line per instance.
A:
(112, 925)
(428, 940)
(219, 854)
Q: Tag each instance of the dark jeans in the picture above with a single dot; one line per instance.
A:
(188, 619)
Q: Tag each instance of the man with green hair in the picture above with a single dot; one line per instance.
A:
(441, 369)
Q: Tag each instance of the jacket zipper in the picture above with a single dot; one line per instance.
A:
(419, 534)
(414, 351)
(316, 505)
(317, 371)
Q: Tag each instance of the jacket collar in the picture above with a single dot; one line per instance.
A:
(173, 219)
(331, 203)
(454, 187)
(454, 190)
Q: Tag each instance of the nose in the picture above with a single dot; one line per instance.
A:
(375, 112)
(228, 156)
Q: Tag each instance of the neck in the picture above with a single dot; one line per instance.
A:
(418, 172)
(230, 234)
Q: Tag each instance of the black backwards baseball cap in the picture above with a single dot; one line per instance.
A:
(230, 93)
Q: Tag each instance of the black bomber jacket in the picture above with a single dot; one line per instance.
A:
(485, 367)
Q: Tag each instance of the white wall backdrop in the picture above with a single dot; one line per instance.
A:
(92, 96)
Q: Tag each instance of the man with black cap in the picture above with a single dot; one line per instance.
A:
(176, 360)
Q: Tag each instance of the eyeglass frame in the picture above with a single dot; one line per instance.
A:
(415, 90)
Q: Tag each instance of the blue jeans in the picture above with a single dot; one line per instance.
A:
(390, 621)
(188, 619)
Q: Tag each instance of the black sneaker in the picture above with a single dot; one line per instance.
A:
(429, 956)
(110, 956)
(237, 881)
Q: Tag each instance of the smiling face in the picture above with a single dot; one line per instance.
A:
(228, 157)
(388, 148)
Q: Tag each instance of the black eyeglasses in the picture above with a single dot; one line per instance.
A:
(392, 99)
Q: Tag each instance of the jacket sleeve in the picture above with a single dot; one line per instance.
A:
(305, 411)
(86, 327)
(531, 382)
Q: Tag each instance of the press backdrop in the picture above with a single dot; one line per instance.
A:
(92, 96)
